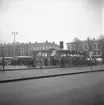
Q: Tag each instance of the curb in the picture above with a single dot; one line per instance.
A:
(29, 69)
(32, 68)
(48, 76)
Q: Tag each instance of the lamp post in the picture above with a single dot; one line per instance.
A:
(14, 33)
(3, 62)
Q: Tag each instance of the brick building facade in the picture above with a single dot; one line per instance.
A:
(96, 47)
(25, 49)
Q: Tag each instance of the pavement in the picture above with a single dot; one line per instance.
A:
(18, 75)
(23, 67)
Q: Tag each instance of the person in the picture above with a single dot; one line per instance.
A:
(41, 62)
(46, 62)
(62, 62)
(34, 62)
(28, 63)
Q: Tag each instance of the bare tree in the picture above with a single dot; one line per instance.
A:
(77, 44)
(90, 44)
(101, 40)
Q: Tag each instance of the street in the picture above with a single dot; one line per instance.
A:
(81, 89)
(51, 52)
(16, 74)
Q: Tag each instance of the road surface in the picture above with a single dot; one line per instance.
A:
(16, 74)
(81, 89)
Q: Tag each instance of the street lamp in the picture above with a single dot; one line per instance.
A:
(3, 62)
(14, 33)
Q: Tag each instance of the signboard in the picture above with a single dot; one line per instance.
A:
(53, 53)
(39, 54)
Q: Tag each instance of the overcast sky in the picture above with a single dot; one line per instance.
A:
(52, 20)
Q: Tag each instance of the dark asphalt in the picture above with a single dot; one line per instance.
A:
(81, 89)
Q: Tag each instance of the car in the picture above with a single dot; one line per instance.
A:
(93, 60)
(99, 60)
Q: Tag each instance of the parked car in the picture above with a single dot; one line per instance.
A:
(99, 60)
(87, 61)
(93, 60)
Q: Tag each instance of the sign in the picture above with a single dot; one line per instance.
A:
(39, 54)
(53, 53)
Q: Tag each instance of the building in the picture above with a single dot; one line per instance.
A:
(96, 46)
(25, 49)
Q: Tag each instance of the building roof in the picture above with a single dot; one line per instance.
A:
(85, 41)
(34, 44)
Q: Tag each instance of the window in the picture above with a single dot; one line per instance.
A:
(85, 46)
(22, 53)
(95, 46)
(47, 47)
(69, 47)
(45, 54)
(94, 52)
(22, 49)
(42, 54)
(98, 52)
(29, 48)
(98, 46)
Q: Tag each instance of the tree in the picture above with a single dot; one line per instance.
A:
(77, 44)
(90, 44)
(101, 40)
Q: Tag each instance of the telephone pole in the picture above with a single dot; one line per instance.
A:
(14, 52)
(3, 62)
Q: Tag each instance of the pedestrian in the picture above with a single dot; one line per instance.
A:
(62, 62)
(46, 62)
(34, 62)
(28, 63)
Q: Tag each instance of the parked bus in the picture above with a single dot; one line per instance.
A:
(8, 60)
(22, 60)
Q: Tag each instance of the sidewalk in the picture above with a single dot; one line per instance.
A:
(22, 67)
(11, 76)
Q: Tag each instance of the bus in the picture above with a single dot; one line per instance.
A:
(22, 60)
(8, 60)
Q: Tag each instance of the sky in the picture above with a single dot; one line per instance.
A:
(52, 20)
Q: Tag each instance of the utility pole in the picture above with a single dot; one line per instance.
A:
(3, 62)
(90, 51)
(61, 45)
(14, 33)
